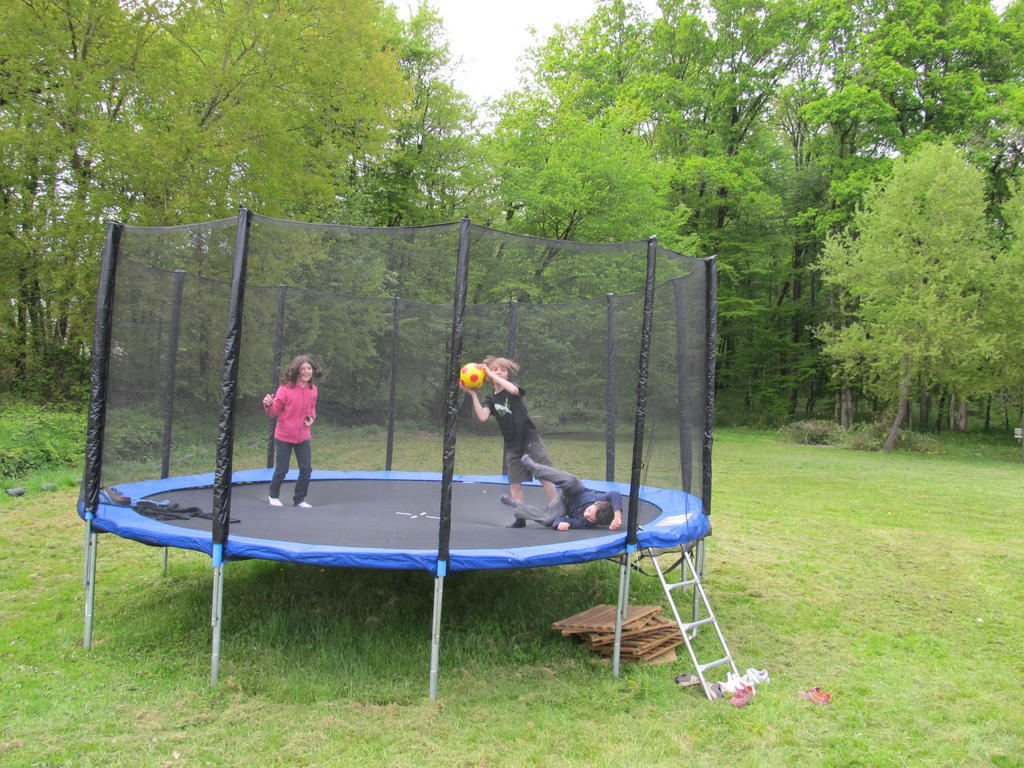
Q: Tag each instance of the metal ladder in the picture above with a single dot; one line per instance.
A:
(688, 629)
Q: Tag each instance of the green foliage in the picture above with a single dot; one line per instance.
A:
(915, 268)
(567, 176)
(431, 170)
(133, 432)
(859, 437)
(810, 432)
(156, 114)
(39, 438)
(750, 131)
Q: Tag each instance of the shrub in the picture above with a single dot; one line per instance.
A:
(812, 432)
(864, 437)
(40, 437)
(133, 432)
(859, 437)
(917, 442)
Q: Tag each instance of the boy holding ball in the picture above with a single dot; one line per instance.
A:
(507, 406)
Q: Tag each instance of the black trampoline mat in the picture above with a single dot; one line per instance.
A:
(382, 514)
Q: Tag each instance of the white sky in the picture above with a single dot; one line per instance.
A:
(489, 36)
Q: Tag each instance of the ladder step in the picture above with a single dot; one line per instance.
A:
(689, 629)
(680, 584)
(716, 663)
(699, 623)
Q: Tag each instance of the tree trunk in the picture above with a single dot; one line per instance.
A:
(925, 411)
(902, 409)
(962, 421)
(894, 430)
(951, 414)
(812, 399)
(846, 405)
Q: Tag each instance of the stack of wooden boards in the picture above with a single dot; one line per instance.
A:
(646, 634)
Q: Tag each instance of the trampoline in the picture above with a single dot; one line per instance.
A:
(195, 324)
(386, 520)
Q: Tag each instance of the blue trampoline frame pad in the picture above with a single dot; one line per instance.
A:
(676, 520)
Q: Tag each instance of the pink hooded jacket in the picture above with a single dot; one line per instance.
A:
(292, 404)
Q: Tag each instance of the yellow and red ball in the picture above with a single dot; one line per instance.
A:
(473, 375)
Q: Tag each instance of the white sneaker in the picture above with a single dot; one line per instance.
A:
(736, 683)
(732, 683)
(273, 502)
(755, 676)
(303, 505)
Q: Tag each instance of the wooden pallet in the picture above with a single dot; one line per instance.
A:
(646, 634)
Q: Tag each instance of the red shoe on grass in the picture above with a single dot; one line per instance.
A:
(742, 696)
(815, 695)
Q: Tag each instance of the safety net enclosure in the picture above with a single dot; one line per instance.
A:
(196, 323)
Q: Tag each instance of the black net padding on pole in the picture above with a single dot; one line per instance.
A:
(452, 399)
(99, 373)
(643, 368)
(682, 373)
(229, 384)
(711, 348)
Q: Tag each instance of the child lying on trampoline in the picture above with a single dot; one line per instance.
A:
(575, 506)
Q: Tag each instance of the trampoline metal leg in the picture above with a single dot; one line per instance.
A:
(165, 561)
(435, 635)
(215, 617)
(89, 582)
(620, 614)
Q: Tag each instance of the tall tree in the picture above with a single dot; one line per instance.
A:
(1006, 378)
(157, 113)
(916, 266)
(430, 170)
(723, 64)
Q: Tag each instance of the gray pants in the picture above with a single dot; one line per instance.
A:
(568, 485)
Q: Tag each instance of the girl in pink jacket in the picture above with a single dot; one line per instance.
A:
(294, 407)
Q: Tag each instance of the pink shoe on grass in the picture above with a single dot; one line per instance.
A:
(815, 695)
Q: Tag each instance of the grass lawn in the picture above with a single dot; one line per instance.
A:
(893, 582)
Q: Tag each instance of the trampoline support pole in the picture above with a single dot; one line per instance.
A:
(215, 621)
(620, 614)
(90, 581)
(435, 636)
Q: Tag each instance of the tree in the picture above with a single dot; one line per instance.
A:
(163, 113)
(1006, 310)
(563, 176)
(431, 170)
(915, 268)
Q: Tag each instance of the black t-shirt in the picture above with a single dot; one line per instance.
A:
(510, 412)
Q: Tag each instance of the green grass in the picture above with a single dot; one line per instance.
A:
(893, 582)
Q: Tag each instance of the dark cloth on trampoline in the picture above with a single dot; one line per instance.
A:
(166, 511)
